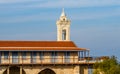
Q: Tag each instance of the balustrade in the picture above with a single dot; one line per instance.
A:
(39, 61)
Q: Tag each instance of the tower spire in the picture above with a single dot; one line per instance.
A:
(63, 12)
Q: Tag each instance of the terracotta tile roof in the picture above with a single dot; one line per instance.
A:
(39, 45)
(41, 49)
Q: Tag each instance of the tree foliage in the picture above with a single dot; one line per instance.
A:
(108, 66)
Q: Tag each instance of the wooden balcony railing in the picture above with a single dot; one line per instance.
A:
(93, 59)
(38, 61)
(10, 61)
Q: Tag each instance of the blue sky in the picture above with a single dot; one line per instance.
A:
(95, 24)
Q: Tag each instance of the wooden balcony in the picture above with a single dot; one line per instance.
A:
(50, 61)
(43, 61)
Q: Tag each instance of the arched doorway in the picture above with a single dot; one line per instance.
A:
(47, 71)
(14, 70)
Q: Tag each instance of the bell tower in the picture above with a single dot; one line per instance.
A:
(63, 28)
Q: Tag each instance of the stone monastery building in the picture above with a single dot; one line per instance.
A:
(45, 57)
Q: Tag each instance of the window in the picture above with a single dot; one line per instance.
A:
(41, 54)
(67, 57)
(6, 55)
(15, 57)
(34, 54)
(63, 34)
(67, 54)
(33, 57)
(54, 56)
(24, 55)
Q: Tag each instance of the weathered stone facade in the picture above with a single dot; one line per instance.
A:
(57, 69)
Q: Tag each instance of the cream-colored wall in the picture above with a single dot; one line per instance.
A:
(58, 69)
(85, 69)
(61, 27)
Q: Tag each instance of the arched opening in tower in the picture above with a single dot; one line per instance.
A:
(63, 34)
(14, 70)
(47, 71)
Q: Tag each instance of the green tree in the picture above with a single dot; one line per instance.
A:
(108, 66)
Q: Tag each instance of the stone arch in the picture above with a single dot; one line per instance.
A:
(47, 71)
(14, 70)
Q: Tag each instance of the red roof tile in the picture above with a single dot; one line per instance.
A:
(38, 45)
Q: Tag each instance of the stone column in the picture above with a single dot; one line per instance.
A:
(8, 70)
(77, 69)
(85, 69)
(20, 69)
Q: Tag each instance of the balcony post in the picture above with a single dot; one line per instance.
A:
(80, 55)
(74, 57)
(41, 56)
(9, 57)
(62, 58)
(88, 56)
(19, 57)
(32, 57)
(84, 53)
(54, 57)
(22, 57)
